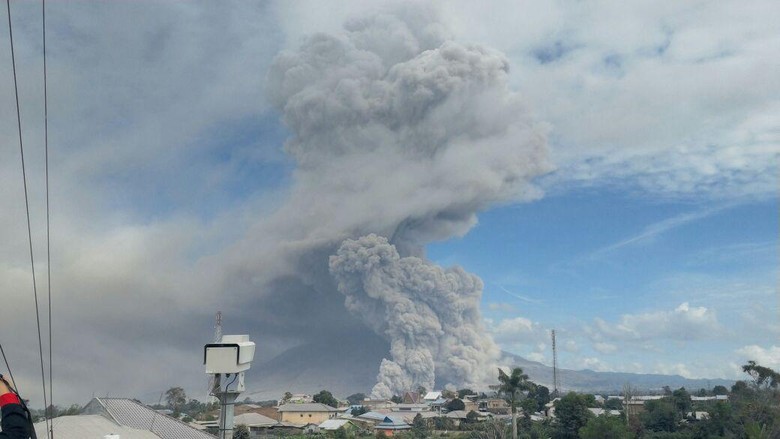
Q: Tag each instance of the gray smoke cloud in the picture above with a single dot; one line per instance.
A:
(401, 137)
(430, 315)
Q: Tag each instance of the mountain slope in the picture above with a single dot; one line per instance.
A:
(349, 364)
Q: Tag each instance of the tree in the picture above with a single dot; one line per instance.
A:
(571, 414)
(176, 398)
(356, 398)
(541, 395)
(287, 397)
(757, 404)
(396, 399)
(340, 433)
(495, 429)
(511, 387)
(419, 427)
(463, 392)
(682, 401)
(720, 390)
(359, 410)
(613, 404)
(455, 404)
(763, 377)
(241, 432)
(660, 415)
(721, 422)
(529, 407)
(590, 400)
(605, 427)
(325, 397)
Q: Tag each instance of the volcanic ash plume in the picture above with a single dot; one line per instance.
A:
(430, 315)
(398, 132)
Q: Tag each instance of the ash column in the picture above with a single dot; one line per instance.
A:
(227, 360)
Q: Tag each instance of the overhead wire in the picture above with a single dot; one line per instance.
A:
(27, 209)
(48, 222)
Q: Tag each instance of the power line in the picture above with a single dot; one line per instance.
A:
(48, 222)
(27, 206)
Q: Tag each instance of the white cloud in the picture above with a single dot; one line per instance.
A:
(605, 348)
(518, 330)
(682, 323)
(768, 357)
(502, 307)
(670, 98)
(673, 369)
(596, 364)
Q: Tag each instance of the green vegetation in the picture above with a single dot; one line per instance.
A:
(325, 397)
(605, 427)
(512, 386)
(571, 414)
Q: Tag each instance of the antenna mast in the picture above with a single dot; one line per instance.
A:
(218, 327)
(556, 381)
(217, 339)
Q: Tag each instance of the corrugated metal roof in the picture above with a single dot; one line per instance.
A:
(132, 414)
(90, 427)
(333, 424)
(392, 423)
(254, 420)
(308, 407)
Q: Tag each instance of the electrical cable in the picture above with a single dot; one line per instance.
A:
(48, 222)
(234, 380)
(27, 207)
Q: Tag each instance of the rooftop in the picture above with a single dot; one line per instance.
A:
(129, 413)
(91, 427)
(307, 407)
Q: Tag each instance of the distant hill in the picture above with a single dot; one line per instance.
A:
(350, 364)
(608, 382)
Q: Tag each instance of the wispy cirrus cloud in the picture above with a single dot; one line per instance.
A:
(655, 230)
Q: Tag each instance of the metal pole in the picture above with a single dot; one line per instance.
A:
(228, 401)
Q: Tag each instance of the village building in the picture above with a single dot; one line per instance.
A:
(390, 426)
(302, 414)
(124, 417)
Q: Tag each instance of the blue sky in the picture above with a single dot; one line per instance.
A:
(566, 260)
(623, 170)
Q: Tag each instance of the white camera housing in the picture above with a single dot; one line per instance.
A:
(233, 354)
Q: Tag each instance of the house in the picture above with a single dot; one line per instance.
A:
(634, 407)
(302, 414)
(300, 398)
(410, 408)
(698, 416)
(412, 398)
(470, 405)
(599, 412)
(335, 424)
(390, 426)
(260, 425)
(496, 405)
(431, 396)
(123, 417)
(374, 404)
(438, 404)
